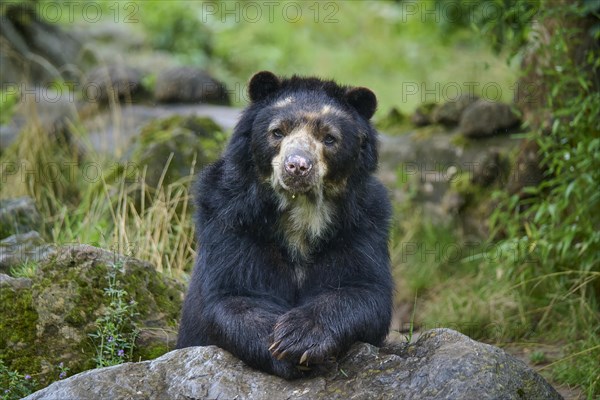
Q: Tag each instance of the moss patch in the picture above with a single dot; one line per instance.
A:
(50, 322)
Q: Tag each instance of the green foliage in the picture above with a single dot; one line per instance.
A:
(581, 366)
(555, 228)
(539, 275)
(505, 24)
(424, 251)
(176, 27)
(116, 333)
(411, 327)
(13, 385)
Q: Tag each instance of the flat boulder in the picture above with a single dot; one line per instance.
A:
(485, 118)
(189, 85)
(441, 364)
(113, 83)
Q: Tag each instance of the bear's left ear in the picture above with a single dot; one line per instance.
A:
(363, 100)
(262, 84)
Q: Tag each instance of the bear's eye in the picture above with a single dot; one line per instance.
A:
(329, 140)
(277, 133)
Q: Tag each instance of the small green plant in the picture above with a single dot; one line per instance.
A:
(149, 82)
(116, 333)
(14, 385)
(27, 269)
(538, 357)
(411, 328)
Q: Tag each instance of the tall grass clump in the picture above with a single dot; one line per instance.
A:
(92, 199)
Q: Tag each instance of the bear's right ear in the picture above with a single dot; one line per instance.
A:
(363, 100)
(262, 84)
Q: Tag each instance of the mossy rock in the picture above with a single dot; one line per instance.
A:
(192, 141)
(423, 114)
(394, 122)
(49, 321)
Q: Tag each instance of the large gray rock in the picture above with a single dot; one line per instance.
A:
(485, 118)
(450, 113)
(423, 114)
(189, 85)
(442, 364)
(109, 136)
(19, 215)
(113, 83)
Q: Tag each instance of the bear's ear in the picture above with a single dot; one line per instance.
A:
(262, 84)
(363, 100)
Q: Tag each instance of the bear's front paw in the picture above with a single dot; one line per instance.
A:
(299, 338)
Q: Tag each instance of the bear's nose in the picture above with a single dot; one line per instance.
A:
(298, 164)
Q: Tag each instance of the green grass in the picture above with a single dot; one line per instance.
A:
(545, 286)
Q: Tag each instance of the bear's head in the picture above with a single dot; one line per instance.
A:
(311, 137)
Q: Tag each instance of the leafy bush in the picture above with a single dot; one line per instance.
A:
(557, 225)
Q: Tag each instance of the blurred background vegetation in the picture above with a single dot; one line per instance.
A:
(386, 43)
(532, 282)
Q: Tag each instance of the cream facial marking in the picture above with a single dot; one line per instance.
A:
(284, 102)
(331, 110)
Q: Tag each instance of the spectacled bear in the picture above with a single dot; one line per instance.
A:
(293, 264)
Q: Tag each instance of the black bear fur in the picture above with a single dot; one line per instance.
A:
(251, 295)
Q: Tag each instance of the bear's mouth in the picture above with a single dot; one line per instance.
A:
(295, 186)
